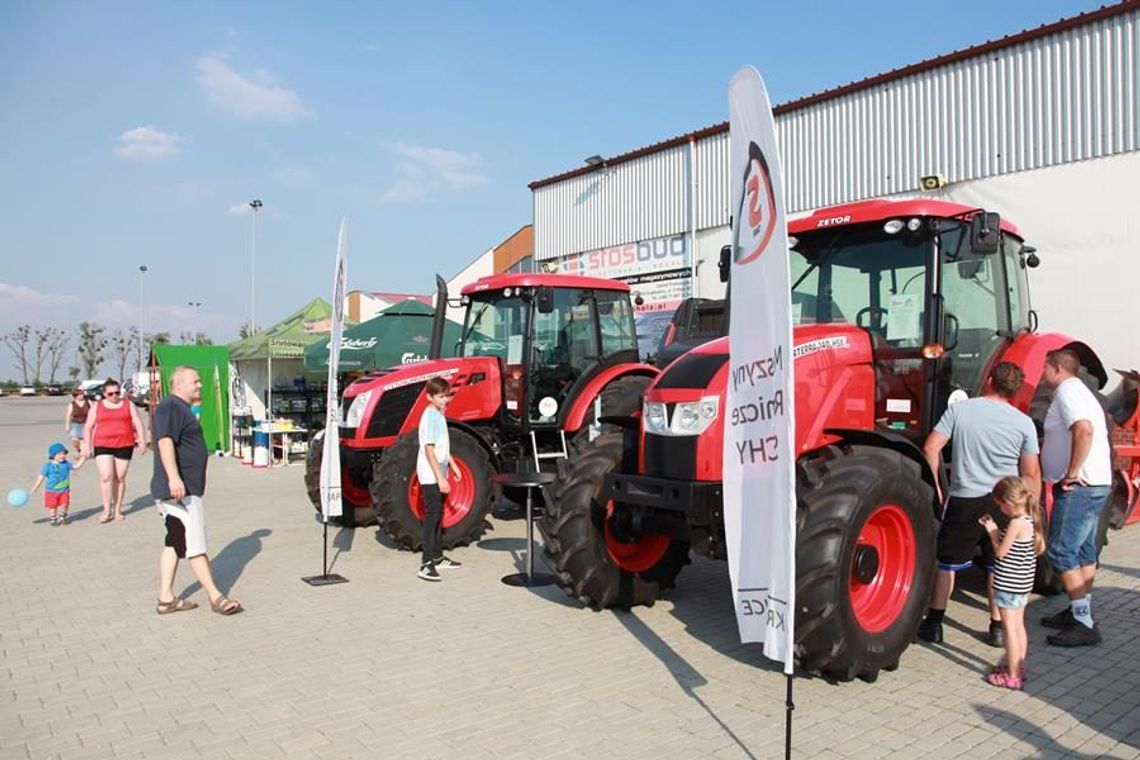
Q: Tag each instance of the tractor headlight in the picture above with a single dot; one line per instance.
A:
(655, 417)
(356, 412)
(694, 417)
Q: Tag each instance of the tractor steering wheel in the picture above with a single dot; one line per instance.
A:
(873, 310)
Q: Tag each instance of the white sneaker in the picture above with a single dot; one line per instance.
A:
(427, 572)
(447, 563)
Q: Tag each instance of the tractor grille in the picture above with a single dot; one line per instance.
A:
(392, 409)
(671, 457)
(692, 371)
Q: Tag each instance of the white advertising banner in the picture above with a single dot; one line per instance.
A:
(759, 442)
(331, 504)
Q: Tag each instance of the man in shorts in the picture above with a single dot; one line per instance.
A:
(989, 439)
(177, 487)
(1078, 462)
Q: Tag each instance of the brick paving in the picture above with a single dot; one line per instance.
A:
(389, 666)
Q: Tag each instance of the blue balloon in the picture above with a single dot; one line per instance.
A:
(17, 497)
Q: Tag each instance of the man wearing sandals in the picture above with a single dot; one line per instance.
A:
(177, 487)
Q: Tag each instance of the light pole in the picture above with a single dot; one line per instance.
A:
(196, 305)
(142, 358)
(255, 205)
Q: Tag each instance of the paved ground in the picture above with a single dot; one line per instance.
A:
(389, 666)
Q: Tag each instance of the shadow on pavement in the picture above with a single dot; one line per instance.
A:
(1040, 736)
(1125, 571)
(139, 504)
(231, 561)
(342, 542)
(686, 676)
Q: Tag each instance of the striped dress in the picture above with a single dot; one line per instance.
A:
(1014, 572)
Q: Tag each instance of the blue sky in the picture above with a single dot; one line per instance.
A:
(135, 133)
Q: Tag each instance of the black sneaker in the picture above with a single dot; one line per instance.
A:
(996, 637)
(1076, 635)
(427, 572)
(447, 563)
(1062, 620)
(930, 631)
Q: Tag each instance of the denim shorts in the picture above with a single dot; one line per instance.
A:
(1073, 526)
(1010, 601)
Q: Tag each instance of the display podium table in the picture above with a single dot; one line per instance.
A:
(529, 481)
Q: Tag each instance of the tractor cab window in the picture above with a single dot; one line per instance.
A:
(973, 292)
(1016, 283)
(864, 276)
(495, 326)
(615, 317)
(563, 348)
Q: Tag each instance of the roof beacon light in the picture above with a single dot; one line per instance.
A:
(913, 224)
(893, 226)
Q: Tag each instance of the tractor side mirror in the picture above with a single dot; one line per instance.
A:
(985, 233)
(724, 265)
(637, 299)
(1029, 257)
(545, 299)
(949, 331)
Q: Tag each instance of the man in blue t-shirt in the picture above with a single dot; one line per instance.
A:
(989, 439)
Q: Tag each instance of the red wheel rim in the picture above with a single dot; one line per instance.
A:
(352, 493)
(635, 557)
(878, 603)
(456, 505)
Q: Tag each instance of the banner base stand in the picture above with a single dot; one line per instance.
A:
(328, 579)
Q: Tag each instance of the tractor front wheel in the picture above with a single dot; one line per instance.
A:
(399, 505)
(355, 500)
(593, 563)
(864, 560)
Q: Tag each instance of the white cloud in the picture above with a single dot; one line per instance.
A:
(424, 171)
(20, 299)
(147, 144)
(251, 96)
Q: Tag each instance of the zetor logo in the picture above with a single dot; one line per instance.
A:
(831, 222)
(758, 209)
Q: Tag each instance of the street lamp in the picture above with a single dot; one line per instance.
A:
(142, 359)
(255, 205)
(196, 305)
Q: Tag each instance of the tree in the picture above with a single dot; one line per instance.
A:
(56, 347)
(123, 348)
(243, 331)
(158, 338)
(187, 338)
(92, 347)
(17, 342)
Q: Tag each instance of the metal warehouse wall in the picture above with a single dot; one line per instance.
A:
(1067, 97)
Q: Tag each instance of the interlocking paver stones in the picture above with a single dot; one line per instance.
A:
(387, 666)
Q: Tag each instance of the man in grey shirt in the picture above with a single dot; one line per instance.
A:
(989, 439)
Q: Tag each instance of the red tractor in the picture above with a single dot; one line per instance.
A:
(896, 305)
(541, 359)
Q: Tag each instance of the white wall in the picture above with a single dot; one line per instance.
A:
(482, 266)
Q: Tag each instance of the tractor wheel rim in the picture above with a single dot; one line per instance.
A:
(878, 603)
(456, 505)
(353, 494)
(635, 557)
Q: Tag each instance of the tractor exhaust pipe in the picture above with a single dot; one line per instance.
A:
(440, 318)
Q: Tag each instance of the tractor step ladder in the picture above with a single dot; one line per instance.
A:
(558, 453)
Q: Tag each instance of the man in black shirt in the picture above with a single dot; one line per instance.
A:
(177, 487)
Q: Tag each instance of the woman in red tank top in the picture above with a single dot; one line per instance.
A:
(112, 432)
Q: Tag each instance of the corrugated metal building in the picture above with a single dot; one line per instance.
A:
(1042, 126)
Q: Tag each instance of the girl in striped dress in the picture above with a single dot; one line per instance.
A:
(1016, 550)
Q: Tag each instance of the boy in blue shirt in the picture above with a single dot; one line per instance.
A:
(432, 464)
(55, 476)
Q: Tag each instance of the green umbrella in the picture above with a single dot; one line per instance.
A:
(400, 334)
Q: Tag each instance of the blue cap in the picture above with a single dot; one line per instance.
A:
(56, 448)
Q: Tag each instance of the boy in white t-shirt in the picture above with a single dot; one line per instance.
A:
(432, 464)
(1077, 460)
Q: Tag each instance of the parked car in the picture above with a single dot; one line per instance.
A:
(27, 390)
(55, 389)
(92, 389)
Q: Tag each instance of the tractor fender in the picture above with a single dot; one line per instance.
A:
(578, 410)
(896, 442)
(1028, 352)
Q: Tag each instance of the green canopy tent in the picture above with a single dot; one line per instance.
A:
(284, 344)
(213, 365)
(400, 334)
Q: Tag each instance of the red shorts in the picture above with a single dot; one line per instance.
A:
(54, 499)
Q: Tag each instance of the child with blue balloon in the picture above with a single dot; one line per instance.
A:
(55, 476)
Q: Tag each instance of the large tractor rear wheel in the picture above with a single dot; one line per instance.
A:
(592, 563)
(357, 507)
(399, 505)
(620, 398)
(864, 560)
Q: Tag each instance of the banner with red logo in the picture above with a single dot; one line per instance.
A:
(759, 448)
(331, 502)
